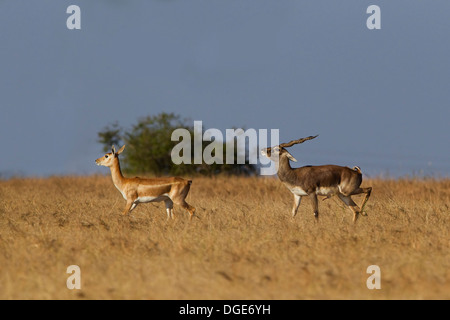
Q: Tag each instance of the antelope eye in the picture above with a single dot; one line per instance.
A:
(106, 156)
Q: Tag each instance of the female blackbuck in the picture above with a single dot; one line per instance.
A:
(327, 180)
(139, 190)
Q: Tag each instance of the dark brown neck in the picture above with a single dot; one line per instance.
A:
(285, 172)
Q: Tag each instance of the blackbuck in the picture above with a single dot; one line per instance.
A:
(138, 190)
(313, 181)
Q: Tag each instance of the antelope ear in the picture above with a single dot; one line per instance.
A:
(121, 150)
(113, 150)
(290, 157)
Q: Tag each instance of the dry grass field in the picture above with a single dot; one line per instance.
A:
(243, 245)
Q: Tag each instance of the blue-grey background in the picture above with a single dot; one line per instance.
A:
(378, 98)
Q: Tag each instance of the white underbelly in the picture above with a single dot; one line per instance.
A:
(145, 199)
(327, 191)
(322, 191)
(298, 191)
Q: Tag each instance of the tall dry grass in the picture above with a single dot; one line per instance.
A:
(244, 244)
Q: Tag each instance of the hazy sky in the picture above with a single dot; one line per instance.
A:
(378, 98)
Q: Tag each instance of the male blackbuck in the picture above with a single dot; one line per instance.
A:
(311, 181)
(138, 190)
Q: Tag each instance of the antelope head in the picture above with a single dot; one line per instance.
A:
(274, 153)
(108, 159)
